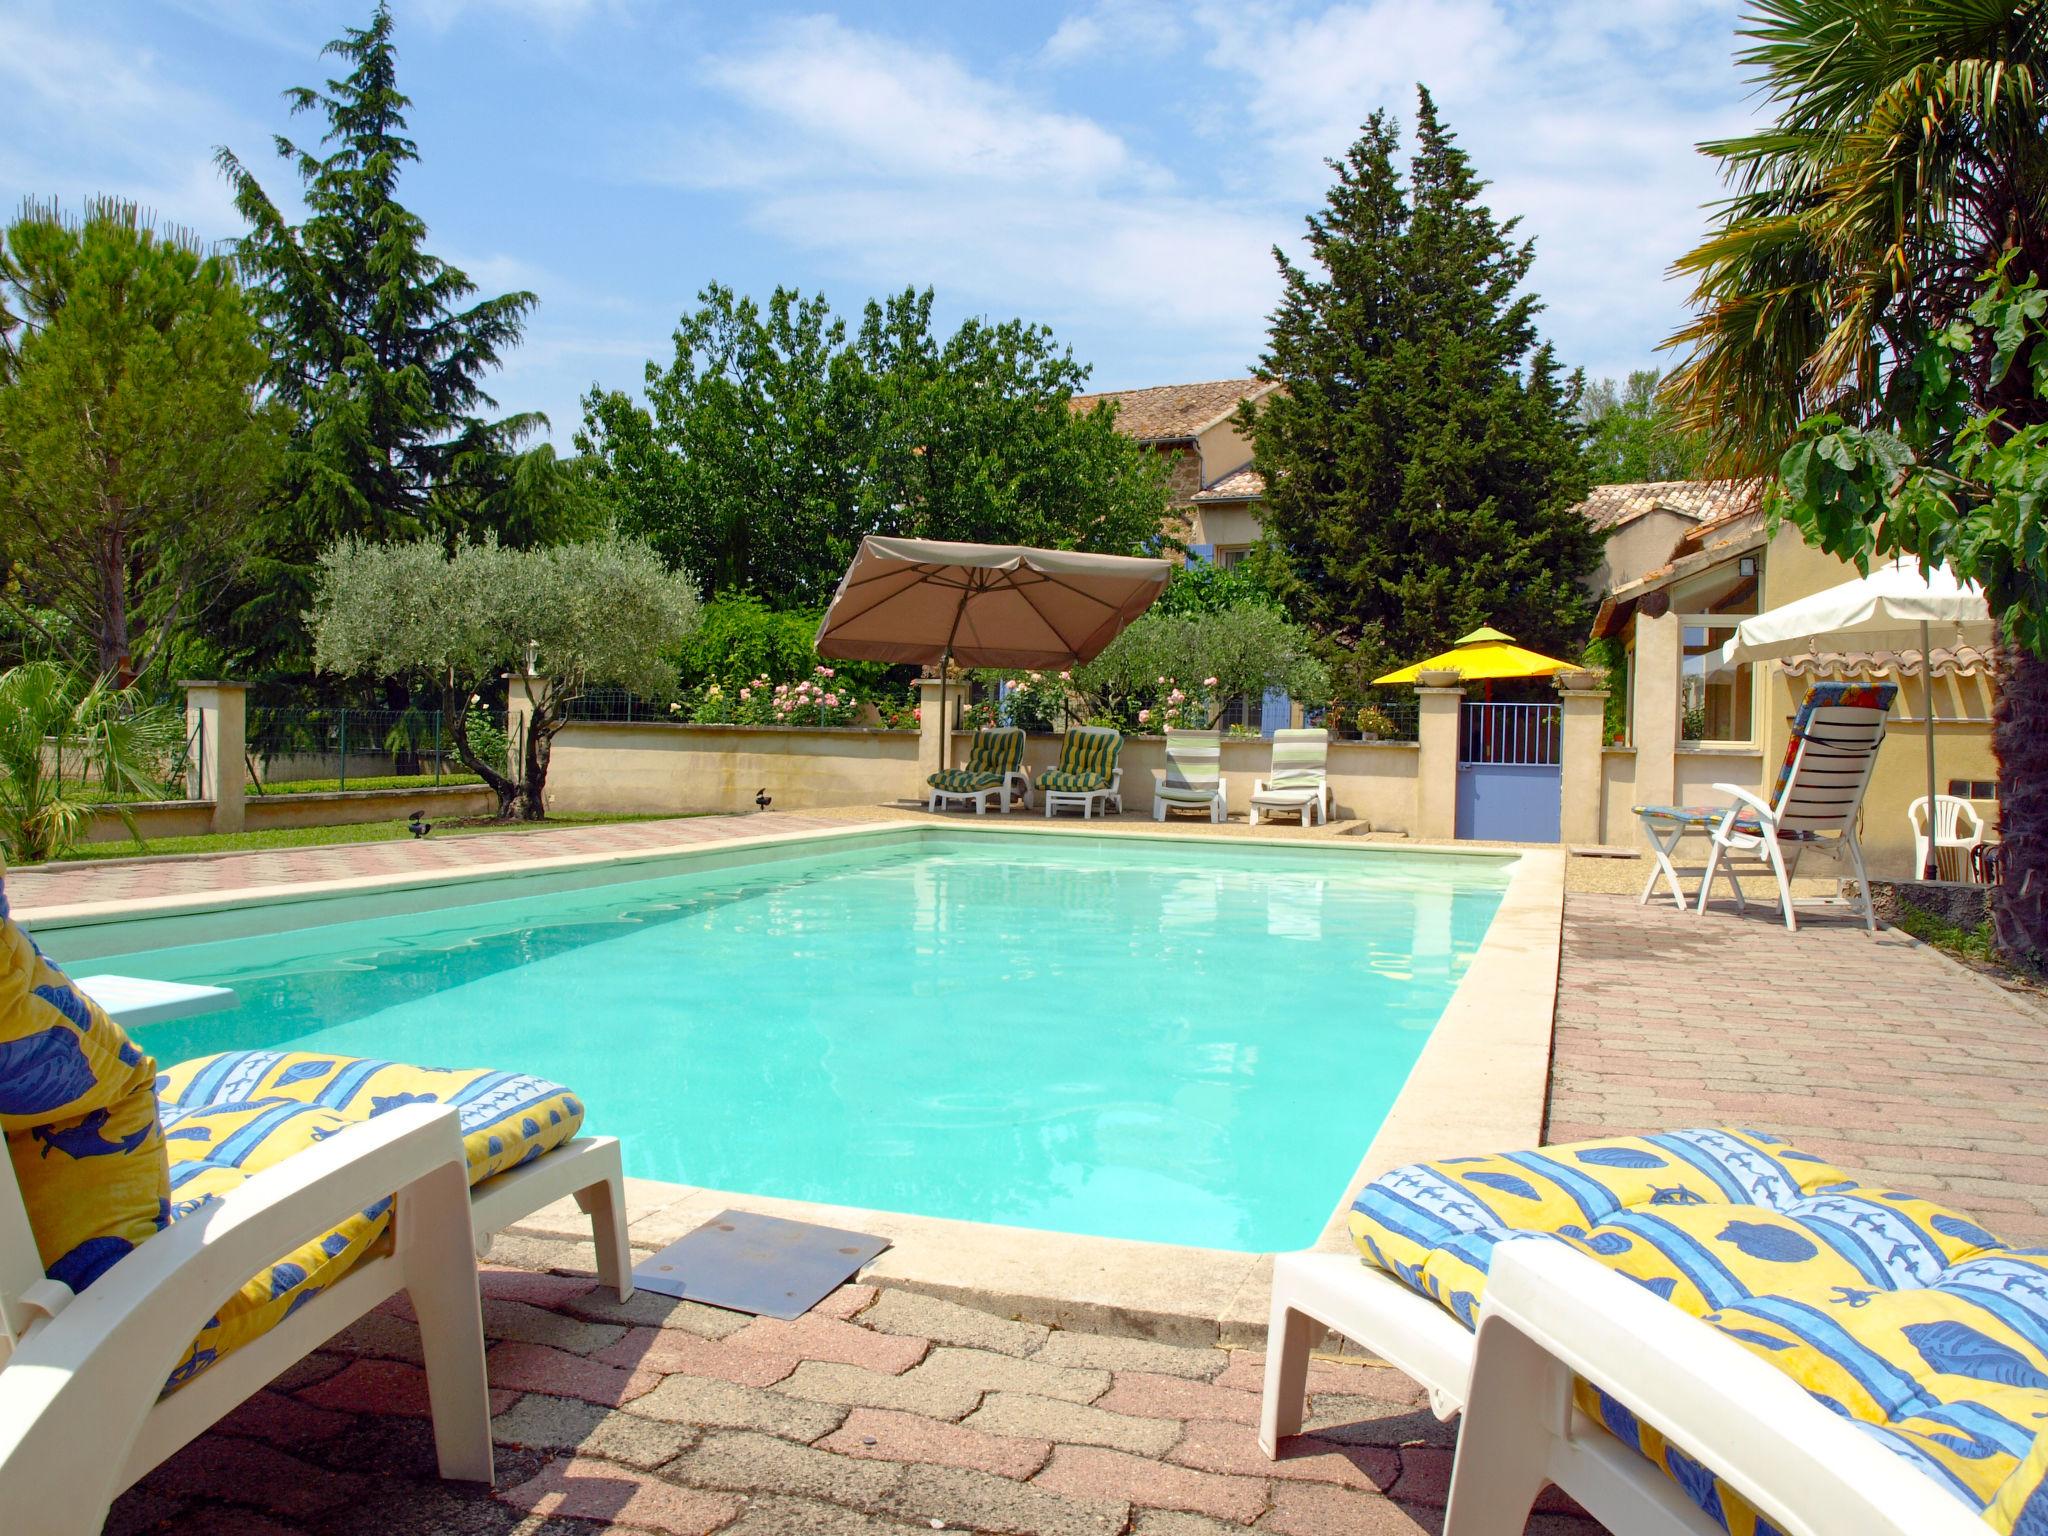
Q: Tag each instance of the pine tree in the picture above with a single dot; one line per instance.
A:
(372, 349)
(1422, 464)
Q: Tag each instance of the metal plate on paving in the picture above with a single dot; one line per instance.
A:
(759, 1264)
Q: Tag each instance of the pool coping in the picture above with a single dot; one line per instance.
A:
(1479, 1085)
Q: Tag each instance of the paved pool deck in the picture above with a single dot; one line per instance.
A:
(892, 1411)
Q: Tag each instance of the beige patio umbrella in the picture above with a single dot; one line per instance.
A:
(983, 605)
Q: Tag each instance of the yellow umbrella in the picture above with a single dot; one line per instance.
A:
(1485, 653)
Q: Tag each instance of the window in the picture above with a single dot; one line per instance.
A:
(1716, 704)
(1242, 711)
(1973, 789)
(1226, 558)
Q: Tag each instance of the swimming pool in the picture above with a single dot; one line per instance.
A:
(1189, 1041)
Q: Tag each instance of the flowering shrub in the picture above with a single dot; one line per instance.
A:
(1040, 702)
(904, 716)
(816, 700)
(1177, 709)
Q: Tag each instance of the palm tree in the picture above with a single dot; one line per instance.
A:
(64, 747)
(1907, 158)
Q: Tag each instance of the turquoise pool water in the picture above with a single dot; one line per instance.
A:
(1161, 1040)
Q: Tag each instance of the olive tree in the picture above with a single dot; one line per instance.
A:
(602, 612)
(1248, 648)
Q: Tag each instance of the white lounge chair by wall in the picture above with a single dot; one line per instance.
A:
(1298, 784)
(1193, 777)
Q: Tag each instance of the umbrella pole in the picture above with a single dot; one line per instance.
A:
(1932, 871)
(945, 725)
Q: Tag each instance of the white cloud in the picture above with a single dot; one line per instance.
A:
(1110, 29)
(92, 116)
(905, 166)
(868, 106)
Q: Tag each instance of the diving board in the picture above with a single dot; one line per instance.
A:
(133, 1000)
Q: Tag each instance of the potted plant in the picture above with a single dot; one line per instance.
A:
(1582, 679)
(1374, 724)
(1438, 677)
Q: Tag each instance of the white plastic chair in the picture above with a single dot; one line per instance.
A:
(1551, 1314)
(81, 1417)
(1818, 803)
(1950, 813)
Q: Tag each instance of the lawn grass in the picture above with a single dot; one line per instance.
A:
(364, 781)
(321, 837)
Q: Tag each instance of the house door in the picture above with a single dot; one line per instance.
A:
(1510, 773)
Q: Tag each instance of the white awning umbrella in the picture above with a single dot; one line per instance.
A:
(1896, 597)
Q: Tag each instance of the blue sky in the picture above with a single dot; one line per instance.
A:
(1118, 169)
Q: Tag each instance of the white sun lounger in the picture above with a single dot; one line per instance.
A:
(1550, 1315)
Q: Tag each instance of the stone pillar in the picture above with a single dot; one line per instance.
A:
(931, 728)
(217, 724)
(1436, 765)
(1655, 725)
(1583, 720)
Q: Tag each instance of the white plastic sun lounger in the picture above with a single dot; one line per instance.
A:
(81, 1415)
(1550, 1315)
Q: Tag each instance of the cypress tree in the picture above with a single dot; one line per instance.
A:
(376, 347)
(1423, 462)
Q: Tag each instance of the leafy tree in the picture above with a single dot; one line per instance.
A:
(1204, 587)
(378, 350)
(1844, 285)
(1248, 648)
(1633, 435)
(601, 612)
(65, 747)
(973, 439)
(744, 466)
(1955, 484)
(741, 638)
(1423, 464)
(775, 440)
(134, 447)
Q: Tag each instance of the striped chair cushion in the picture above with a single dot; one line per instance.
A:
(1707, 817)
(228, 1117)
(998, 750)
(962, 781)
(1299, 759)
(1895, 1311)
(1194, 766)
(1088, 758)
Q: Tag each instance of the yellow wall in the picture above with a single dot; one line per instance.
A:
(656, 767)
(1228, 525)
(1793, 570)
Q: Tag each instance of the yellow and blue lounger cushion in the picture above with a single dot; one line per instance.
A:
(1895, 1311)
(228, 1117)
(79, 1117)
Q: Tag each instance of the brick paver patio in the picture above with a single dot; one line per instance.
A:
(1876, 1053)
(880, 1412)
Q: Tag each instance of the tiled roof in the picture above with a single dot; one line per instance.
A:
(1174, 412)
(1961, 661)
(1245, 484)
(1705, 501)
